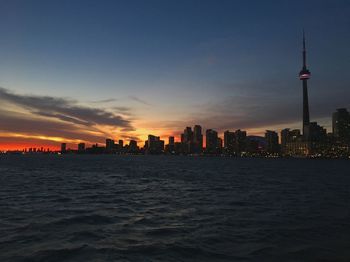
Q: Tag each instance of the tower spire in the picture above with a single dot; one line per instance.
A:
(304, 51)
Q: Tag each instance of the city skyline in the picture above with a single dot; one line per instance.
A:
(312, 141)
(98, 79)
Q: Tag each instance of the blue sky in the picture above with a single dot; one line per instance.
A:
(221, 64)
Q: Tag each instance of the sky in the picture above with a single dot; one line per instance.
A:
(83, 71)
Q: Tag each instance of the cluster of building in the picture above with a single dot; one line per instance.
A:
(192, 143)
(111, 147)
(313, 142)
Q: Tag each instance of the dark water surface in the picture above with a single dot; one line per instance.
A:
(143, 208)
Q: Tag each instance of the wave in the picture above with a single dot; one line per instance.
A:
(84, 219)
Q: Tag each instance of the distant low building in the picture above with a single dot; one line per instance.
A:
(96, 149)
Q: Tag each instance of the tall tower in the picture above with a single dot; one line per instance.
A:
(304, 75)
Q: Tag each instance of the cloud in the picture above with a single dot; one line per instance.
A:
(131, 138)
(121, 108)
(65, 109)
(17, 123)
(58, 119)
(104, 101)
(64, 118)
(141, 101)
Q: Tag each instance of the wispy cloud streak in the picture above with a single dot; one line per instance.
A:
(48, 117)
(65, 109)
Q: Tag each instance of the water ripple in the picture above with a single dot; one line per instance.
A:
(119, 208)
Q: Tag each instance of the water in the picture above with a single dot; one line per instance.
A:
(144, 208)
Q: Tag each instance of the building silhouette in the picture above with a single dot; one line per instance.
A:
(211, 139)
(272, 145)
(256, 146)
(197, 139)
(110, 146)
(285, 138)
(341, 125)
(241, 141)
(317, 133)
(192, 141)
(289, 136)
(133, 148)
(120, 146)
(219, 146)
(154, 145)
(187, 140)
(81, 147)
(171, 140)
(170, 147)
(229, 142)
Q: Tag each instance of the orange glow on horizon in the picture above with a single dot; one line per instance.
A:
(26, 146)
(17, 141)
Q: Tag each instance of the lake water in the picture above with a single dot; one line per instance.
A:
(162, 208)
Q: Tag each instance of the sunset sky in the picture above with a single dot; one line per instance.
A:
(83, 71)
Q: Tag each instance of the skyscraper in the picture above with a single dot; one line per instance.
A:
(211, 141)
(229, 142)
(219, 145)
(197, 139)
(341, 125)
(317, 133)
(188, 135)
(271, 138)
(304, 75)
(155, 145)
(120, 146)
(171, 140)
(133, 148)
(241, 141)
(110, 145)
(285, 138)
(170, 147)
(187, 140)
